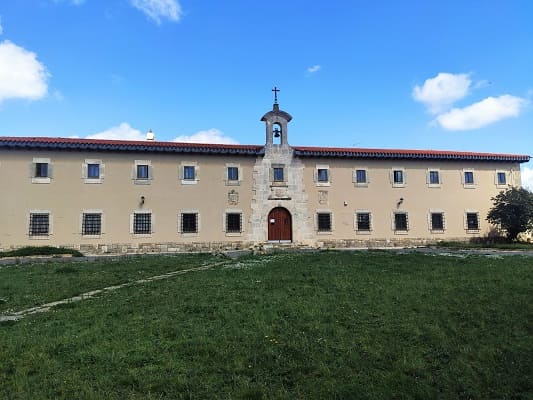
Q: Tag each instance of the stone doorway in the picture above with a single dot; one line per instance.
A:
(279, 225)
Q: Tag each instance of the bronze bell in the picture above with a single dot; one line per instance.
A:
(277, 133)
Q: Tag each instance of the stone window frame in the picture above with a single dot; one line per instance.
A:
(33, 169)
(232, 182)
(393, 222)
(50, 225)
(224, 222)
(356, 226)
(404, 177)
(428, 178)
(316, 175)
(331, 222)
(430, 220)
(102, 222)
(196, 167)
(85, 171)
(198, 222)
(279, 182)
(463, 178)
(467, 229)
(497, 178)
(354, 177)
(152, 224)
(142, 181)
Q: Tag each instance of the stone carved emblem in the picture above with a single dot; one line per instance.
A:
(323, 196)
(233, 198)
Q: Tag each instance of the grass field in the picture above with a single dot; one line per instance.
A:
(327, 325)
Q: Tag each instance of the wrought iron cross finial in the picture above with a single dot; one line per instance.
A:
(275, 90)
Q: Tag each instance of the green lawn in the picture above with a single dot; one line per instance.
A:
(328, 325)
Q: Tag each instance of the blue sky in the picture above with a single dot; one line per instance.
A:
(453, 75)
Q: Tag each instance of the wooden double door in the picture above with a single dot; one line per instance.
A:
(279, 224)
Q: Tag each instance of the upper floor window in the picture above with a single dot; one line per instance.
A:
(361, 177)
(398, 177)
(189, 173)
(41, 170)
(322, 175)
(468, 178)
(278, 174)
(93, 171)
(142, 172)
(233, 173)
(501, 178)
(433, 178)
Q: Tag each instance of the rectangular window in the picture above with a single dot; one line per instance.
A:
(434, 178)
(322, 175)
(142, 171)
(41, 170)
(469, 177)
(233, 222)
(92, 224)
(324, 222)
(233, 173)
(472, 221)
(360, 176)
(39, 224)
(189, 222)
(363, 221)
(93, 171)
(189, 173)
(397, 177)
(278, 175)
(501, 178)
(400, 221)
(142, 223)
(437, 221)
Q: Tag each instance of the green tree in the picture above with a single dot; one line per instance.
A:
(512, 211)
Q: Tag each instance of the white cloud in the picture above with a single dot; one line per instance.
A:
(121, 132)
(159, 9)
(440, 92)
(527, 178)
(209, 136)
(483, 113)
(21, 74)
(314, 69)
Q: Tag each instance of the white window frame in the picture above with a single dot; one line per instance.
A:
(85, 171)
(50, 225)
(428, 178)
(102, 222)
(393, 222)
(463, 180)
(496, 180)
(331, 220)
(224, 227)
(315, 176)
(38, 179)
(143, 181)
(430, 221)
(196, 167)
(354, 177)
(398, 185)
(355, 226)
(198, 222)
(469, 211)
(232, 182)
(152, 223)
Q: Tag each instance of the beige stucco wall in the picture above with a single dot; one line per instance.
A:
(66, 196)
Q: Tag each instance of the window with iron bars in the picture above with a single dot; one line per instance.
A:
(39, 224)
(363, 221)
(91, 224)
(324, 222)
(142, 223)
(233, 222)
(189, 222)
(400, 221)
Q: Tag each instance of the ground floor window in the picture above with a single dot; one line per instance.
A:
(437, 221)
(363, 221)
(400, 221)
(142, 223)
(189, 222)
(39, 224)
(472, 221)
(233, 222)
(92, 224)
(324, 222)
